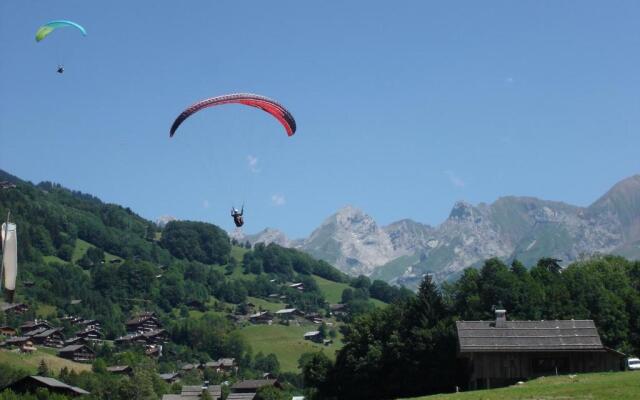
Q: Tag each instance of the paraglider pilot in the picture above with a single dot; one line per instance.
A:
(237, 216)
(60, 69)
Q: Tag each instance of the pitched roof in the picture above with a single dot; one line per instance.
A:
(74, 347)
(241, 396)
(57, 384)
(254, 384)
(168, 375)
(557, 335)
(118, 368)
(10, 306)
(286, 311)
(47, 333)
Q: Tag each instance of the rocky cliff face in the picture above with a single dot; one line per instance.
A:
(351, 240)
(512, 227)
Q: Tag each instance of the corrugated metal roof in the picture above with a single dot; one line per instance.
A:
(557, 335)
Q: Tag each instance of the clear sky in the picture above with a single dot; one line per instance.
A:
(403, 107)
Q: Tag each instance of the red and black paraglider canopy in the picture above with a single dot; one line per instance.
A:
(249, 99)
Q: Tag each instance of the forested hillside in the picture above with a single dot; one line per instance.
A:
(79, 256)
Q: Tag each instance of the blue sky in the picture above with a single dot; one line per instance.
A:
(402, 107)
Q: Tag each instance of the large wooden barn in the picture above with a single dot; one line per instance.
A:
(501, 352)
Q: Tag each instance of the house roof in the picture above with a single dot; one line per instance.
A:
(260, 314)
(54, 383)
(286, 311)
(10, 306)
(16, 339)
(74, 347)
(195, 393)
(241, 396)
(221, 362)
(33, 324)
(168, 375)
(118, 368)
(138, 319)
(47, 333)
(557, 335)
(254, 384)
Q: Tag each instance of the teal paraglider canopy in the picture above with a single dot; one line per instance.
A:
(49, 27)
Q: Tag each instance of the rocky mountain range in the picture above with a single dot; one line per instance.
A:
(525, 228)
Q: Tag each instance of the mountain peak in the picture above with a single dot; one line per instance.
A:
(461, 210)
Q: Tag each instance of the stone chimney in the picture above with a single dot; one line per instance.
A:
(501, 318)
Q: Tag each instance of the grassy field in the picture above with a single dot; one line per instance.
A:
(31, 361)
(45, 310)
(265, 304)
(53, 259)
(601, 386)
(333, 291)
(82, 247)
(286, 342)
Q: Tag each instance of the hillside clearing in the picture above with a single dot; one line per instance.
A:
(286, 342)
(31, 361)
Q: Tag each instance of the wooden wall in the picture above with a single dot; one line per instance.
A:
(500, 369)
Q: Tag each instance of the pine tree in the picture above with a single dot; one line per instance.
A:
(43, 369)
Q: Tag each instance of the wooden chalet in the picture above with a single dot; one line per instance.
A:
(252, 385)
(261, 317)
(223, 365)
(153, 350)
(499, 353)
(170, 377)
(339, 310)
(16, 341)
(88, 323)
(8, 331)
(129, 339)
(120, 369)
(157, 336)
(314, 336)
(299, 286)
(75, 340)
(31, 326)
(289, 313)
(78, 353)
(196, 392)
(143, 323)
(189, 367)
(14, 308)
(31, 384)
(90, 334)
(50, 338)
